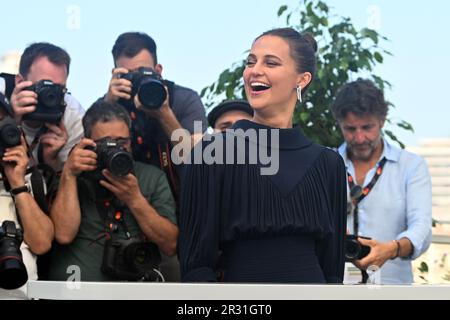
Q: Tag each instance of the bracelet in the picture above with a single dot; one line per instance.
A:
(398, 249)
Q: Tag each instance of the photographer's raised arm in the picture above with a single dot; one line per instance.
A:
(65, 212)
(165, 116)
(37, 227)
(52, 143)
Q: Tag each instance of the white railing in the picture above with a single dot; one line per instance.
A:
(177, 291)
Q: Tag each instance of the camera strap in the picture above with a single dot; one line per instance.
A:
(112, 212)
(171, 88)
(10, 83)
(35, 143)
(142, 143)
(357, 193)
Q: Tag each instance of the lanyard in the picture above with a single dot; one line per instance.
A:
(113, 214)
(357, 193)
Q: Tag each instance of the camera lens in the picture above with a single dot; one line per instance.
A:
(352, 249)
(13, 273)
(152, 93)
(120, 163)
(142, 256)
(51, 96)
(10, 135)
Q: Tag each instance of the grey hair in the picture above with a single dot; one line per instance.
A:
(102, 111)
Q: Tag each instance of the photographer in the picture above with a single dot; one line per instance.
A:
(50, 118)
(226, 113)
(390, 187)
(157, 107)
(95, 206)
(182, 106)
(18, 206)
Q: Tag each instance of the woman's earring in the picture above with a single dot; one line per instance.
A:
(299, 93)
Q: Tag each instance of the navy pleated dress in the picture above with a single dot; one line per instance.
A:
(239, 226)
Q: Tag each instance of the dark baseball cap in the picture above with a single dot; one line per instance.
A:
(228, 105)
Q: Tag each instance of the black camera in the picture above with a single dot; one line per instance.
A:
(354, 250)
(148, 86)
(13, 273)
(9, 134)
(113, 156)
(51, 104)
(131, 260)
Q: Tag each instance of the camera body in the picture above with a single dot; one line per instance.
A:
(354, 250)
(113, 156)
(9, 134)
(148, 86)
(51, 104)
(13, 273)
(131, 259)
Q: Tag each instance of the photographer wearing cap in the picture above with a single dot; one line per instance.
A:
(390, 187)
(50, 117)
(111, 214)
(226, 113)
(25, 231)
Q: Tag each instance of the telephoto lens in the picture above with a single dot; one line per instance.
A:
(148, 85)
(9, 134)
(114, 157)
(13, 273)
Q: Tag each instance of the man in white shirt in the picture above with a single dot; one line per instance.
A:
(17, 203)
(53, 126)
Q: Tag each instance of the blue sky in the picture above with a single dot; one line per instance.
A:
(198, 39)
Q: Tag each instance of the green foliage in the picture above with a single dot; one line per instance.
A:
(423, 267)
(344, 54)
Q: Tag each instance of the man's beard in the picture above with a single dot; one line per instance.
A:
(364, 151)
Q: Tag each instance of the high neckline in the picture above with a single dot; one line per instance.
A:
(290, 138)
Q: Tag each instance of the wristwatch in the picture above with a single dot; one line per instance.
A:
(16, 191)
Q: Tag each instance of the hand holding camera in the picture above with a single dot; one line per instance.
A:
(53, 141)
(42, 101)
(119, 88)
(379, 253)
(23, 101)
(126, 188)
(15, 161)
(143, 88)
(81, 159)
(113, 165)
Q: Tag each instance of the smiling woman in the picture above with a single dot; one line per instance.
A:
(237, 225)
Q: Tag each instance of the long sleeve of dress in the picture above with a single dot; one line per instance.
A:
(330, 250)
(199, 223)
